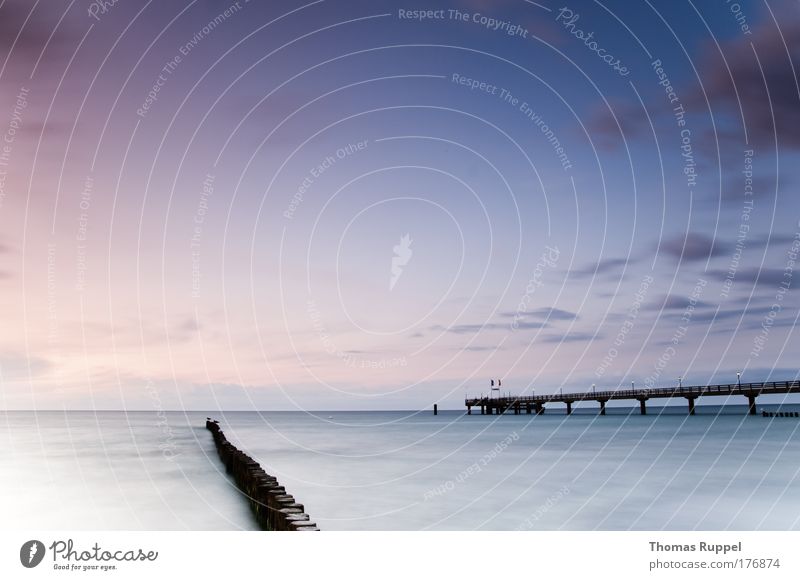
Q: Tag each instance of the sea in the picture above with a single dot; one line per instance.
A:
(408, 470)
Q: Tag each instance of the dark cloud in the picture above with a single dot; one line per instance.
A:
(623, 120)
(677, 302)
(764, 185)
(780, 321)
(480, 348)
(185, 330)
(757, 80)
(554, 313)
(545, 312)
(571, 337)
(712, 314)
(27, 28)
(189, 325)
(528, 325)
(604, 266)
(754, 322)
(693, 247)
(476, 328)
(771, 276)
(17, 30)
(752, 83)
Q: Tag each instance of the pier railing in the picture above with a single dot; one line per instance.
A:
(536, 402)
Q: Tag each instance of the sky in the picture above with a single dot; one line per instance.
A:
(384, 205)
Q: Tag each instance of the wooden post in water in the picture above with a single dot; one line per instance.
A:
(436, 409)
(751, 402)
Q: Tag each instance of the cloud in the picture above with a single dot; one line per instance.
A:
(752, 83)
(677, 302)
(572, 337)
(759, 80)
(18, 28)
(26, 29)
(693, 247)
(37, 39)
(554, 313)
(752, 319)
(718, 316)
(188, 326)
(603, 266)
(476, 328)
(480, 348)
(764, 185)
(547, 312)
(771, 276)
(17, 365)
(624, 120)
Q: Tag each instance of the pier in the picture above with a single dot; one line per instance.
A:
(274, 509)
(536, 403)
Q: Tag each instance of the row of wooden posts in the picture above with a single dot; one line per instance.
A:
(274, 508)
(780, 414)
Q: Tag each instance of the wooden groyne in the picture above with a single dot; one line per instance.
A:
(273, 507)
(780, 414)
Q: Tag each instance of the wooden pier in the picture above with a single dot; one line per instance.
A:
(536, 403)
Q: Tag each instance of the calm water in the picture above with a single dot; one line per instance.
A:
(407, 471)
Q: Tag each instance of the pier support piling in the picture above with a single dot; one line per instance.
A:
(751, 403)
(569, 407)
(435, 409)
(691, 404)
(602, 407)
(643, 406)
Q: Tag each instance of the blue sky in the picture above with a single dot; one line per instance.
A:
(206, 198)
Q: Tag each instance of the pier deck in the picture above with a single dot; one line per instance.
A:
(536, 403)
